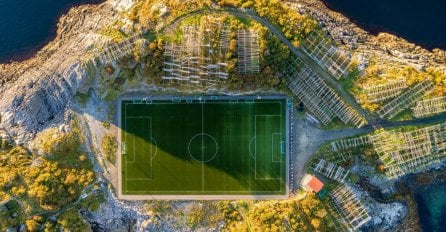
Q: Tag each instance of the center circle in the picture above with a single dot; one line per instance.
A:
(202, 147)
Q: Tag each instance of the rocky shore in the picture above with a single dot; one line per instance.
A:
(36, 92)
(412, 185)
(386, 46)
(43, 85)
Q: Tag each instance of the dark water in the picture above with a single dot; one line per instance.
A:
(431, 203)
(421, 22)
(27, 25)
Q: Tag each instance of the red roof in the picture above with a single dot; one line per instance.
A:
(315, 184)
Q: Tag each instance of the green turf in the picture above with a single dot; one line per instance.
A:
(196, 148)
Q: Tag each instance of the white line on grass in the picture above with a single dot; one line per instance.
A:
(272, 148)
(255, 149)
(202, 141)
(235, 191)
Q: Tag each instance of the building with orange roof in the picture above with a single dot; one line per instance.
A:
(311, 183)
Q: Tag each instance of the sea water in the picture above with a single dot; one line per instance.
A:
(431, 201)
(421, 22)
(27, 25)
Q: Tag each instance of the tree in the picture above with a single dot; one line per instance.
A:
(33, 224)
(71, 220)
(109, 146)
(315, 223)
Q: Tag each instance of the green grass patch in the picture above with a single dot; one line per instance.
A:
(113, 31)
(217, 147)
(11, 214)
(247, 23)
(92, 202)
(403, 116)
(336, 124)
(71, 220)
(82, 98)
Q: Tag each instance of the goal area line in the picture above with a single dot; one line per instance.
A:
(141, 158)
(264, 158)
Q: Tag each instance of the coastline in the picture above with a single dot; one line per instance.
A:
(389, 48)
(39, 45)
(417, 185)
(69, 43)
(69, 28)
(344, 32)
(378, 23)
(23, 82)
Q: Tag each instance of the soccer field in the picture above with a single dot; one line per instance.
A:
(204, 146)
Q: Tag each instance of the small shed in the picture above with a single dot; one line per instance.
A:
(311, 183)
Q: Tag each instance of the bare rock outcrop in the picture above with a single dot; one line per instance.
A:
(388, 47)
(38, 97)
(37, 90)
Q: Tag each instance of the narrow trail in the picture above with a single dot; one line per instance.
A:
(249, 14)
(307, 137)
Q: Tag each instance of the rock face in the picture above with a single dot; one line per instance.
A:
(38, 98)
(388, 47)
(37, 90)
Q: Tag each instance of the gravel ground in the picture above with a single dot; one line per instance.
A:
(308, 138)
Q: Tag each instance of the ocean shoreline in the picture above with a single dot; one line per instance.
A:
(16, 75)
(420, 183)
(22, 56)
(375, 28)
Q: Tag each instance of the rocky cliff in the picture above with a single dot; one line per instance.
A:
(37, 90)
(388, 47)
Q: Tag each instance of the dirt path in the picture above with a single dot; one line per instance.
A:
(308, 138)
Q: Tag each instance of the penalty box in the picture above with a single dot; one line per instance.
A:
(204, 147)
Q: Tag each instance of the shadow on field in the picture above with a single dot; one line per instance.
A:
(188, 155)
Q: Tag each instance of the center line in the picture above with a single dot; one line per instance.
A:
(202, 147)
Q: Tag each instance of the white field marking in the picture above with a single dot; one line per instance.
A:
(272, 148)
(202, 157)
(282, 132)
(125, 141)
(134, 139)
(144, 151)
(282, 147)
(154, 143)
(133, 151)
(123, 146)
(202, 137)
(249, 148)
(255, 148)
(207, 102)
(210, 191)
(134, 145)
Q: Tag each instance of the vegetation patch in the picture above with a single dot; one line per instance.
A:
(207, 146)
(71, 220)
(379, 74)
(109, 147)
(44, 184)
(114, 33)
